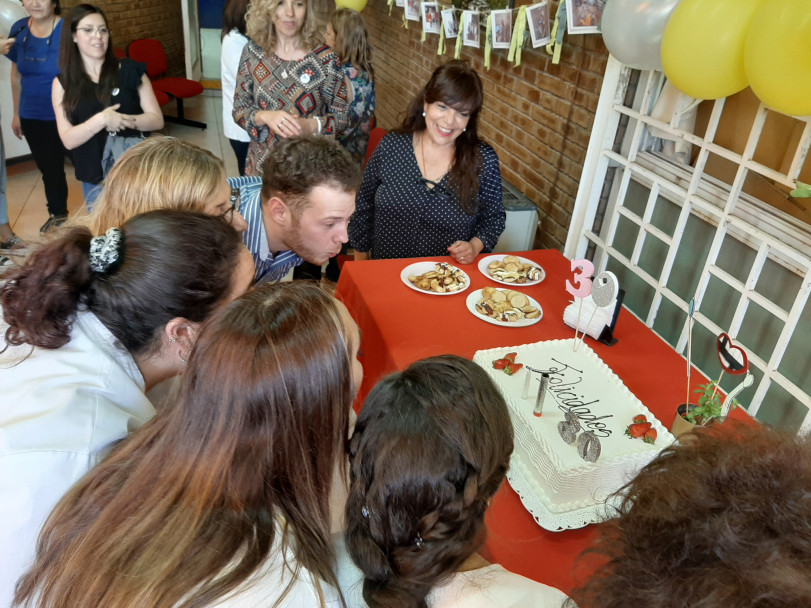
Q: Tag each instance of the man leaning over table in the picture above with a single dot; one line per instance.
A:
(299, 209)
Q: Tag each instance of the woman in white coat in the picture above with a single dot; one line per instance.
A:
(90, 325)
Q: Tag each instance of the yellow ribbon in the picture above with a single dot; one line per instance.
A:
(488, 41)
(440, 49)
(391, 6)
(558, 28)
(519, 36)
(457, 53)
(405, 21)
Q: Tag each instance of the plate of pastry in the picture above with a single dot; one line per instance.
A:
(511, 269)
(435, 278)
(504, 307)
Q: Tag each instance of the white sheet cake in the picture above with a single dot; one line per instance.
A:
(579, 382)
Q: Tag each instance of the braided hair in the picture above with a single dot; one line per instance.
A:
(430, 449)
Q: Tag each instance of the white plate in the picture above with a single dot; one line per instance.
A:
(419, 268)
(474, 298)
(484, 264)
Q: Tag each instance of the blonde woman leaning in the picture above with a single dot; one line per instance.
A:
(289, 82)
(164, 173)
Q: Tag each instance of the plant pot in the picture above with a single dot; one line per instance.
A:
(680, 424)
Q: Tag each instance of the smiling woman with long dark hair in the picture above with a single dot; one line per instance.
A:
(432, 187)
(102, 105)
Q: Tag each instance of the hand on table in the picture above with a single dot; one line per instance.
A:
(465, 252)
(280, 123)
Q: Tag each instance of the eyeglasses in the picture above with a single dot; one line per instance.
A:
(235, 202)
(89, 31)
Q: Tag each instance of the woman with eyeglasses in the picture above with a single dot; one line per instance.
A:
(34, 64)
(164, 173)
(432, 187)
(103, 106)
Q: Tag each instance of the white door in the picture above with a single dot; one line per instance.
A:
(191, 39)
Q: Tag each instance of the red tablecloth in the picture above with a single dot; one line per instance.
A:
(400, 325)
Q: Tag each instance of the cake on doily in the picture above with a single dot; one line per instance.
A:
(579, 384)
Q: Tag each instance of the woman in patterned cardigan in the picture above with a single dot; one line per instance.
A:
(289, 82)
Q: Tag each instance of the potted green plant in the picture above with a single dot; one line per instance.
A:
(706, 411)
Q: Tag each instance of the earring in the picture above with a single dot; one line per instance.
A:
(423, 113)
(171, 340)
(182, 360)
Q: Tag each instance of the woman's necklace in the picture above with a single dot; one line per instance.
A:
(432, 182)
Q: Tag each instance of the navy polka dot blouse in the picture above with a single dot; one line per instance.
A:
(399, 216)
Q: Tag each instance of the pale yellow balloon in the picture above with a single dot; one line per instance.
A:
(353, 4)
(703, 46)
(778, 56)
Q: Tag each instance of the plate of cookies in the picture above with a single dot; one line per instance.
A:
(511, 269)
(435, 278)
(504, 307)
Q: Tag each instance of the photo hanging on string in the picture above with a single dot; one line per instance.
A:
(501, 28)
(430, 17)
(584, 16)
(412, 10)
(400, 3)
(538, 24)
(472, 34)
(450, 21)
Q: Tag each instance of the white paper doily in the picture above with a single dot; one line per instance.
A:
(556, 522)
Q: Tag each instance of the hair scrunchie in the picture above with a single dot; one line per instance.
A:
(105, 250)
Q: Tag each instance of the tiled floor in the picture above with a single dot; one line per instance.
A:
(26, 195)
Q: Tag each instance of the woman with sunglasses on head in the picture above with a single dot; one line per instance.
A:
(34, 64)
(164, 173)
(103, 105)
(223, 499)
(430, 449)
(432, 187)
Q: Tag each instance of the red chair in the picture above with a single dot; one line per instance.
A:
(375, 135)
(119, 52)
(150, 52)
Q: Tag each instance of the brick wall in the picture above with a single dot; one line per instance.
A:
(134, 19)
(537, 116)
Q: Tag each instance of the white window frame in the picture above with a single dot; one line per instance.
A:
(770, 233)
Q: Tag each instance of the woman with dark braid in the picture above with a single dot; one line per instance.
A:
(430, 449)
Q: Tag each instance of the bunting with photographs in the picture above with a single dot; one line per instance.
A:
(510, 29)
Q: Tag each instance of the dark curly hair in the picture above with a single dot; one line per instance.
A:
(723, 520)
(431, 447)
(296, 165)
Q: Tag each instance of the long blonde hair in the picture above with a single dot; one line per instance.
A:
(261, 29)
(352, 40)
(192, 505)
(159, 173)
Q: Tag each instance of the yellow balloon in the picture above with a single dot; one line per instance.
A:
(778, 56)
(353, 4)
(703, 44)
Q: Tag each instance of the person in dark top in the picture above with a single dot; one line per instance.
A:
(102, 105)
(34, 59)
(432, 187)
